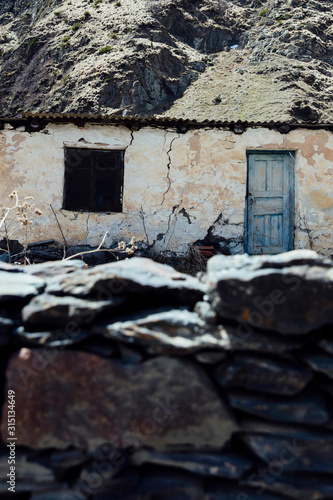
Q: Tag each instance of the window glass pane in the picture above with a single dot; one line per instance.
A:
(107, 190)
(93, 180)
(77, 158)
(111, 160)
(77, 189)
(108, 180)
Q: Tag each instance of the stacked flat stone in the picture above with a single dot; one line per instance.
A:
(136, 382)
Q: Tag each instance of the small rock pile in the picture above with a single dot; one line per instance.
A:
(133, 381)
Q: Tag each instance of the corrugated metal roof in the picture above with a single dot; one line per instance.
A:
(158, 120)
(120, 119)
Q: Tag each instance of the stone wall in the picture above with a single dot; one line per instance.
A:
(168, 197)
(132, 381)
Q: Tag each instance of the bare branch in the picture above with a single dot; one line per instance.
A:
(98, 249)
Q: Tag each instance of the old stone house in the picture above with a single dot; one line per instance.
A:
(253, 187)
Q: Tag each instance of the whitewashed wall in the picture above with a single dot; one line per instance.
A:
(177, 187)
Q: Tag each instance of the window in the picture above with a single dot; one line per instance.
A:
(93, 180)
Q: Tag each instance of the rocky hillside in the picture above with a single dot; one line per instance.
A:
(203, 59)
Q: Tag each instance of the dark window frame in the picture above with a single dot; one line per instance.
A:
(92, 163)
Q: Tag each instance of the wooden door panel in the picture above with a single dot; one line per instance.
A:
(276, 179)
(259, 231)
(268, 231)
(270, 203)
(276, 222)
(260, 176)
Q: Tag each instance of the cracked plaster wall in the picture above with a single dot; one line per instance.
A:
(178, 188)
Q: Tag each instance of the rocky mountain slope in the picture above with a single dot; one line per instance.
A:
(201, 59)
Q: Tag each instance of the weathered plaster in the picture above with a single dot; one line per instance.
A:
(178, 188)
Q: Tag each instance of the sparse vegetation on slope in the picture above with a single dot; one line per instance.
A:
(262, 58)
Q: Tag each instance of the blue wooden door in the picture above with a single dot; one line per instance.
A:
(270, 203)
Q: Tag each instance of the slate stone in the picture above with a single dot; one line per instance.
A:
(282, 429)
(152, 485)
(100, 346)
(6, 327)
(115, 496)
(4, 257)
(49, 311)
(79, 399)
(173, 332)
(56, 339)
(244, 339)
(163, 484)
(210, 357)
(125, 482)
(26, 470)
(91, 258)
(264, 375)
(19, 287)
(326, 386)
(52, 270)
(58, 494)
(128, 355)
(308, 409)
(64, 461)
(290, 292)
(137, 276)
(294, 454)
(225, 491)
(321, 364)
(326, 344)
(10, 268)
(178, 331)
(228, 464)
(206, 312)
(297, 486)
(23, 489)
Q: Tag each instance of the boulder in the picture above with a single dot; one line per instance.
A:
(140, 277)
(291, 293)
(262, 374)
(50, 311)
(48, 270)
(69, 398)
(18, 287)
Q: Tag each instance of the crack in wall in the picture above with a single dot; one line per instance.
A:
(87, 224)
(174, 208)
(169, 165)
(132, 138)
